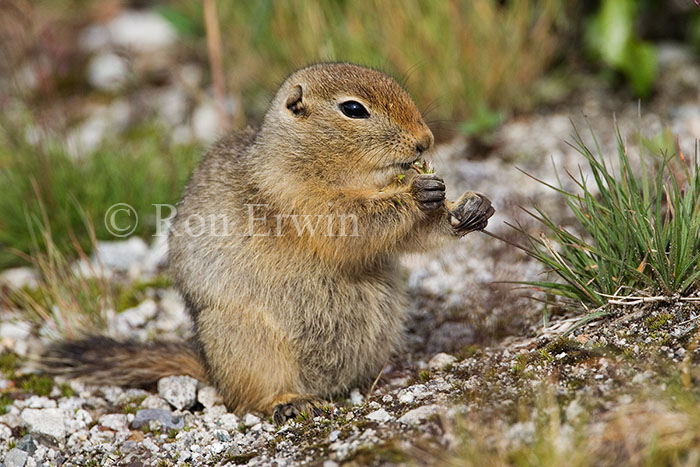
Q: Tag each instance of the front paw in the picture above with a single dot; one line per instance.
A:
(471, 212)
(429, 191)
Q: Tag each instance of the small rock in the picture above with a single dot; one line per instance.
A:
(27, 444)
(135, 317)
(172, 105)
(121, 255)
(141, 31)
(155, 425)
(440, 361)
(521, 433)
(80, 420)
(85, 137)
(114, 421)
(208, 397)
(157, 256)
(333, 437)
(107, 72)
(113, 394)
(165, 417)
(415, 416)
(173, 314)
(573, 411)
(15, 458)
(17, 278)
(406, 397)
(205, 123)
(420, 391)
(39, 402)
(11, 419)
(179, 391)
(154, 402)
(356, 397)
(17, 331)
(229, 421)
(46, 423)
(99, 435)
(251, 420)
(380, 415)
(71, 404)
(214, 413)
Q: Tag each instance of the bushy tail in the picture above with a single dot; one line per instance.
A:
(103, 360)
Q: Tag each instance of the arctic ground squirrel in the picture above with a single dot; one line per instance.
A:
(285, 248)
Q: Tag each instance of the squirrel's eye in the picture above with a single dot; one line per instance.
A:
(353, 109)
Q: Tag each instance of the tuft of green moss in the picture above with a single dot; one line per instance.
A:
(136, 293)
(130, 407)
(66, 390)
(654, 323)
(521, 361)
(4, 402)
(36, 384)
(468, 351)
(9, 361)
(172, 434)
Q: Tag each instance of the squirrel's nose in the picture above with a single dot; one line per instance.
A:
(425, 141)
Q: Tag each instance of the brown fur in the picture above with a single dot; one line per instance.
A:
(283, 321)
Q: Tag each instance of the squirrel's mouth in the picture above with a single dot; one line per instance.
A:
(419, 164)
(405, 166)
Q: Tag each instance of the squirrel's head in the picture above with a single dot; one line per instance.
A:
(342, 123)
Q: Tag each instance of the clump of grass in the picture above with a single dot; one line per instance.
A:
(637, 232)
(4, 402)
(69, 300)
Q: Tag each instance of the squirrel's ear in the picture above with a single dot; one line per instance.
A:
(295, 102)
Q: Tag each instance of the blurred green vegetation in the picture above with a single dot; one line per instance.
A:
(462, 61)
(44, 186)
(611, 37)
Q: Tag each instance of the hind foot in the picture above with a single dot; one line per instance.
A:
(290, 406)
